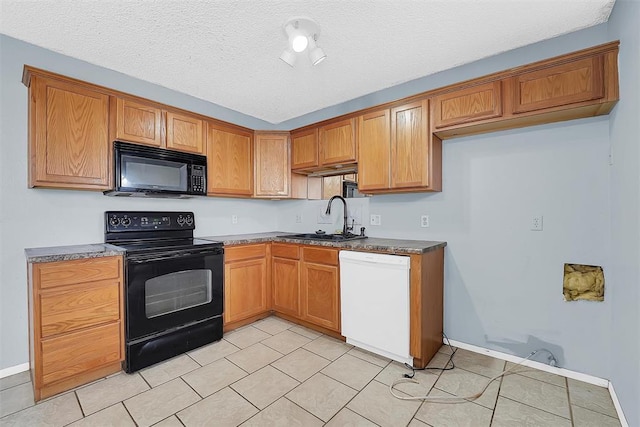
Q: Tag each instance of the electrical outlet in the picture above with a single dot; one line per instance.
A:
(298, 218)
(536, 223)
(424, 221)
(376, 219)
(234, 219)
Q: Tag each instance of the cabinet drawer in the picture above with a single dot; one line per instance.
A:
(78, 352)
(285, 251)
(235, 253)
(52, 274)
(320, 256)
(79, 307)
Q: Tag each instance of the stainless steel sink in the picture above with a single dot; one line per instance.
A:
(324, 237)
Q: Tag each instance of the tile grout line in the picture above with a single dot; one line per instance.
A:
(495, 404)
(566, 383)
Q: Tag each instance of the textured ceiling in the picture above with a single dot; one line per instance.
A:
(227, 52)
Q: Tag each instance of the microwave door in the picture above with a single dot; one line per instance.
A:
(146, 174)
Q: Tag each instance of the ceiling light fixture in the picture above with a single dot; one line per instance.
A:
(302, 33)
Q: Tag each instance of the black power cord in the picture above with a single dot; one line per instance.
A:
(446, 365)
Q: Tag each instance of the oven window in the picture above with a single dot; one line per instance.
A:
(177, 291)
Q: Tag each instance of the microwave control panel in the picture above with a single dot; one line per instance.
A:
(198, 179)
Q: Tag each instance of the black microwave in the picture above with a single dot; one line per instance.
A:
(154, 172)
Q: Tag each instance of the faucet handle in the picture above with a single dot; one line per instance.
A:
(362, 231)
(353, 223)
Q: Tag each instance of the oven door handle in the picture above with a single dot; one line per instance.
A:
(141, 259)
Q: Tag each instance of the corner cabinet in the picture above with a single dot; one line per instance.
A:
(76, 322)
(69, 143)
(272, 165)
(229, 161)
(247, 290)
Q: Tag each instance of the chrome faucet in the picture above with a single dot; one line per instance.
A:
(345, 229)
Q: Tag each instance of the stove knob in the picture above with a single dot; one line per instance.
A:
(189, 220)
(114, 221)
(180, 220)
(126, 221)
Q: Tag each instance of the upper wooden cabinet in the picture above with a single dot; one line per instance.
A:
(272, 165)
(573, 82)
(304, 149)
(374, 150)
(184, 133)
(398, 153)
(69, 143)
(229, 161)
(468, 105)
(338, 143)
(137, 122)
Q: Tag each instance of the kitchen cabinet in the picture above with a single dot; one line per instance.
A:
(229, 161)
(285, 278)
(563, 84)
(471, 104)
(76, 322)
(338, 145)
(137, 122)
(272, 165)
(320, 287)
(69, 144)
(304, 149)
(184, 132)
(398, 153)
(247, 290)
(374, 150)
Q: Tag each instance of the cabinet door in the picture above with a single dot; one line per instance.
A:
(338, 142)
(273, 165)
(285, 281)
(564, 84)
(229, 161)
(184, 133)
(245, 289)
(468, 105)
(68, 133)
(140, 123)
(374, 150)
(304, 149)
(410, 145)
(321, 295)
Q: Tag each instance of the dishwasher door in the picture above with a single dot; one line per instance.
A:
(374, 303)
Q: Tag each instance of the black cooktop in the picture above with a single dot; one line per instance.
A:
(166, 244)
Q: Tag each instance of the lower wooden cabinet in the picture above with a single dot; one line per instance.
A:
(246, 282)
(285, 278)
(320, 287)
(76, 322)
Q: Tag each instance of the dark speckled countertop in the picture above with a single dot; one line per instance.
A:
(392, 246)
(67, 253)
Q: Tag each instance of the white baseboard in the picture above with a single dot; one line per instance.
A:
(601, 382)
(12, 370)
(616, 403)
(552, 369)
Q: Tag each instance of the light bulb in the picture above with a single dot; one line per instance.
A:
(299, 42)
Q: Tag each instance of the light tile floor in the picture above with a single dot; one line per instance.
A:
(276, 373)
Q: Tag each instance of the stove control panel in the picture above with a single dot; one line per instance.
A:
(121, 221)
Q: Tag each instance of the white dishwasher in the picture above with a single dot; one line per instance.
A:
(374, 303)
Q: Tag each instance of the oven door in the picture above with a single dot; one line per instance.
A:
(169, 289)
